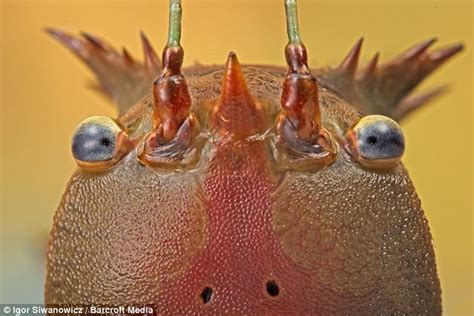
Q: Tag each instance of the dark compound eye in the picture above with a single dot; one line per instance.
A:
(98, 143)
(376, 141)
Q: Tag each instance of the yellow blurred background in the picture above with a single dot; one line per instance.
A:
(44, 95)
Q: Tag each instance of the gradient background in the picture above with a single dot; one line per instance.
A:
(44, 95)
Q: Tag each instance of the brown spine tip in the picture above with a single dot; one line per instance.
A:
(441, 55)
(96, 42)
(350, 62)
(171, 98)
(73, 43)
(372, 64)
(150, 57)
(369, 71)
(127, 57)
(418, 49)
(299, 98)
(236, 111)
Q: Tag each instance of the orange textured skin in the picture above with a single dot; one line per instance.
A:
(342, 240)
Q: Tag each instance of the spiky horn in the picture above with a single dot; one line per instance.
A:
(236, 111)
(386, 89)
(119, 76)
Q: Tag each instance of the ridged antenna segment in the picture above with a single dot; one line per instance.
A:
(299, 99)
(171, 98)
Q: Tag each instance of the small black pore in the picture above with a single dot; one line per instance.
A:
(206, 295)
(272, 288)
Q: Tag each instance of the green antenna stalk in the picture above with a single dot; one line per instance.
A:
(174, 28)
(292, 22)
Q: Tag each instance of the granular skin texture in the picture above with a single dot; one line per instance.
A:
(342, 240)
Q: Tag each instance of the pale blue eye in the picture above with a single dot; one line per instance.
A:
(377, 141)
(380, 140)
(95, 140)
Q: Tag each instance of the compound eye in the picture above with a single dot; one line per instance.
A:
(376, 141)
(98, 143)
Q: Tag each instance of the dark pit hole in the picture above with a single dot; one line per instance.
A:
(206, 295)
(105, 142)
(372, 140)
(272, 288)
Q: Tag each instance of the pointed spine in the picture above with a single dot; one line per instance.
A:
(418, 49)
(372, 64)
(349, 63)
(381, 89)
(414, 102)
(75, 44)
(371, 68)
(150, 58)
(96, 42)
(236, 111)
(441, 55)
(127, 57)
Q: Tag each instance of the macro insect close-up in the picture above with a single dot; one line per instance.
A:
(275, 185)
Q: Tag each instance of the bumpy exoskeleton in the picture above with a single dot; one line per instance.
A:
(246, 189)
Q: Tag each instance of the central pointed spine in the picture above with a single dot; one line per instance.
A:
(236, 111)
